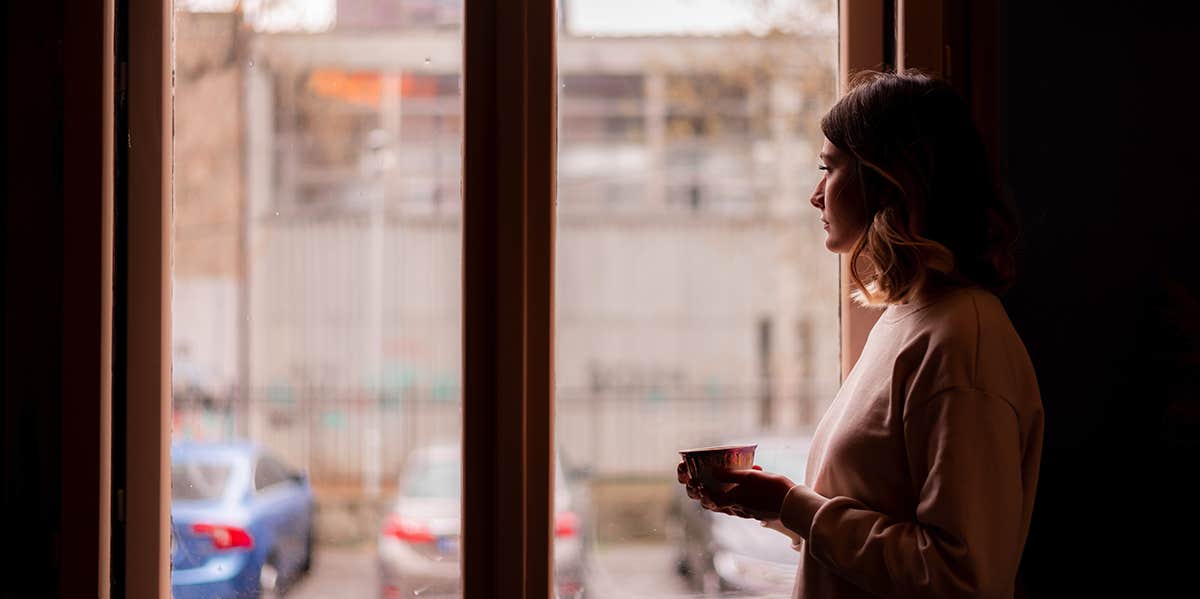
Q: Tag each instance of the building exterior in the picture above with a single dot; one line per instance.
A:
(694, 295)
(209, 223)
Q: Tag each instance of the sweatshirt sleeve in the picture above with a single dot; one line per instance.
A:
(964, 540)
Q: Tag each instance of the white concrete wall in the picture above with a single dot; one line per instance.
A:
(204, 330)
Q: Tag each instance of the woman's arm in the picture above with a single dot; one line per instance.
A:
(964, 540)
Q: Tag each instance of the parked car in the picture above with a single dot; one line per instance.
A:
(241, 522)
(720, 553)
(419, 539)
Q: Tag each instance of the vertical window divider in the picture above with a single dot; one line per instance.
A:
(862, 44)
(141, 482)
(509, 70)
(918, 39)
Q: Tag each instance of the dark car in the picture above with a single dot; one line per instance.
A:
(419, 542)
(241, 522)
(720, 553)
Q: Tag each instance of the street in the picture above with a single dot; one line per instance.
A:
(627, 571)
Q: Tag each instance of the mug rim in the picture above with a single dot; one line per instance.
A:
(716, 449)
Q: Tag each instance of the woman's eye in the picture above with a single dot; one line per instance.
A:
(822, 167)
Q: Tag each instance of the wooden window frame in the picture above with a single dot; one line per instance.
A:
(509, 150)
(862, 42)
(508, 268)
(931, 35)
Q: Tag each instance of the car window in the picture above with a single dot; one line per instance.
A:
(432, 479)
(199, 480)
(268, 473)
(787, 459)
(440, 478)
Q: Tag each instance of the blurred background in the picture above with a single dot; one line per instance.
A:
(317, 289)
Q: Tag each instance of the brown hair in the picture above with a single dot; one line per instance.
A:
(932, 210)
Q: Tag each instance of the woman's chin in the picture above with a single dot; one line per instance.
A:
(833, 245)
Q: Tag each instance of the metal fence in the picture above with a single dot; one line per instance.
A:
(638, 431)
(347, 437)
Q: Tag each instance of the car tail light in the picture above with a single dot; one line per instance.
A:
(407, 530)
(566, 525)
(225, 537)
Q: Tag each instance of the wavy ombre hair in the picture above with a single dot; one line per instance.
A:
(932, 212)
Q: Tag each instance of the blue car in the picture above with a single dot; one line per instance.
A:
(242, 522)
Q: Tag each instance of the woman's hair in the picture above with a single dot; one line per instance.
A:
(931, 209)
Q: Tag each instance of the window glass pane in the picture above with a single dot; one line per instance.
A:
(317, 296)
(433, 474)
(696, 302)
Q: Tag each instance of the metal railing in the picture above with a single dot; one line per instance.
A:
(631, 431)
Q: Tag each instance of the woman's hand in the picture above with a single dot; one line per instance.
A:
(756, 494)
(696, 491)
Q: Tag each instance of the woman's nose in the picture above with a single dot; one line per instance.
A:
(818, 195)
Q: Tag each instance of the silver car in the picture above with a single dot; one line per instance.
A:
(419, 542)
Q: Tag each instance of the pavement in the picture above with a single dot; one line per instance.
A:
(625, 571)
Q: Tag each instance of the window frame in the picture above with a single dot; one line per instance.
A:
(508, 268)
(142, 298)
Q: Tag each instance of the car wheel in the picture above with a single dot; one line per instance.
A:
(268, 581)
(675, 538)
(307, 564)
(682, 568)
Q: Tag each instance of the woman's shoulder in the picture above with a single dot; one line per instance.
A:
(967, 319)
(968, 340)
(955, 312)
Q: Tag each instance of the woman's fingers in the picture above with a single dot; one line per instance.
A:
(685, 480)
(736, 476)
(719, 498)
(681, 473)
(713, 499)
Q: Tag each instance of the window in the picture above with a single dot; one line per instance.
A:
(312, 197)
(317, 294)
(686, 248)
(199, 481)
(268, 473)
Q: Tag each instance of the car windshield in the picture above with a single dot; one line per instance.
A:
(787, 459)
(433, 479)
(199, 480)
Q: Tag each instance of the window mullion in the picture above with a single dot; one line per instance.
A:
(862, 41)
(508, 233)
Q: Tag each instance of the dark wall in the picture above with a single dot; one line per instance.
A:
(33, 283)
(52, 297)
(1100, 149)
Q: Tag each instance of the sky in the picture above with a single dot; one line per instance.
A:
(585, 17)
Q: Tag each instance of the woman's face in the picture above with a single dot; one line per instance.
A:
(839, 198)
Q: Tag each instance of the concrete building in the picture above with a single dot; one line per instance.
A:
(209, 224)
(694, 295)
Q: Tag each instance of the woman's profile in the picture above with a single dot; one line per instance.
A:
(921, 476)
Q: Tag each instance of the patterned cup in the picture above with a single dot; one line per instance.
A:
(701, 462)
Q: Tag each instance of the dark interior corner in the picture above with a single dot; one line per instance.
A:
(1098, 143)
(1099, 129)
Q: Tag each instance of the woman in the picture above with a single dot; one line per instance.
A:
(921, 475)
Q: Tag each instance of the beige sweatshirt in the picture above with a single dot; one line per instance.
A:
(921, 475)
